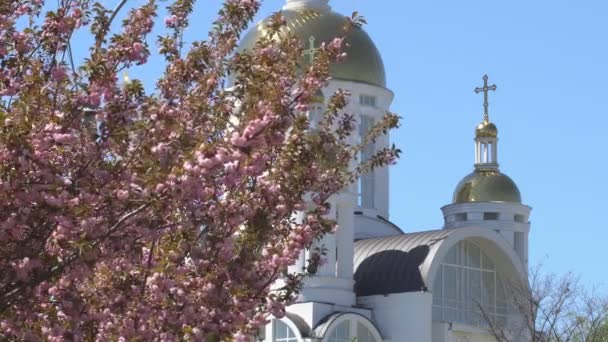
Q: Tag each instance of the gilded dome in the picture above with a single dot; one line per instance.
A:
(486, 129)
(487, 186)
(363, 63)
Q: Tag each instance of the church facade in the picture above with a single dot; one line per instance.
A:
(379, 283)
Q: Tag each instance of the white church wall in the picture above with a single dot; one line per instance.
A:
(401, 317)
(328, 290)
(512, 217)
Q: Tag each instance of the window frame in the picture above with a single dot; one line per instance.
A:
(368, 100)
(354, 320)
(270, 335)
(464, 307)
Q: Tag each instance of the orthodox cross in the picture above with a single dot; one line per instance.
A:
(485, 90)
(311, 49)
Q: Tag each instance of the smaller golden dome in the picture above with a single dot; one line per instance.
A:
(487, 186)
(486, 129)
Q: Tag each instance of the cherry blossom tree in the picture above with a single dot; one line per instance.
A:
(128, 214)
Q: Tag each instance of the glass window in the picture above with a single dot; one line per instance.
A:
(473, 255)
(283, 333)
(341, 333)
(487, 263)
(365, 186)
(363, 334)
(467, 282)
(490, 216)
(367, 100)
(460, 217)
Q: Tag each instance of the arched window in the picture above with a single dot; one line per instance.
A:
(351, 330)
(283, 333)
(467, 283)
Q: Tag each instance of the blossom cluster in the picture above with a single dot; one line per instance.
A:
(168, 216)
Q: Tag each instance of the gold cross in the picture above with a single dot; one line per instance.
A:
(485, 90)
(311, 50)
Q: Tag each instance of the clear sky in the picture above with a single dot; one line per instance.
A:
(549, 59)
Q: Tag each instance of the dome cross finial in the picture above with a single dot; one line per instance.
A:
(311, 51)
(485, 90)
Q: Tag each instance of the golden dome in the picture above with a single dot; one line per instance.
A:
(486, 129)
(363, 63)
(487, 186)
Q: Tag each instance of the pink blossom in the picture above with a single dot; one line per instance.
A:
(172, 21)
(157, 214)
(59, 73)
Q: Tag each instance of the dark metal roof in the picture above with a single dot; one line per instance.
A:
(391, 264)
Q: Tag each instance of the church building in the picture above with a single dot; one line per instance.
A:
(379, 283)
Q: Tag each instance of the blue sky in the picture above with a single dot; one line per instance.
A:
(549, 59)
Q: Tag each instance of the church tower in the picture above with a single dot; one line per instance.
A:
(362, 74)
(487, 197)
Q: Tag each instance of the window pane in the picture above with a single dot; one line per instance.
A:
(474, 288)
(341, 333)
(283, 333)
(366, 181)
(343, 330)
(487, 263)
(490, 216)
(362, 333)
(460, 217)
(473, 255)
(488, 299)
(437, 286)
(450, 257)
(281, 330)
(450, 290)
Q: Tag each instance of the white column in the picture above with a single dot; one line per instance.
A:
(495, 151)
(328, 269)
(345, 240)
(329, 244)
(301, 262)
(299, 265)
